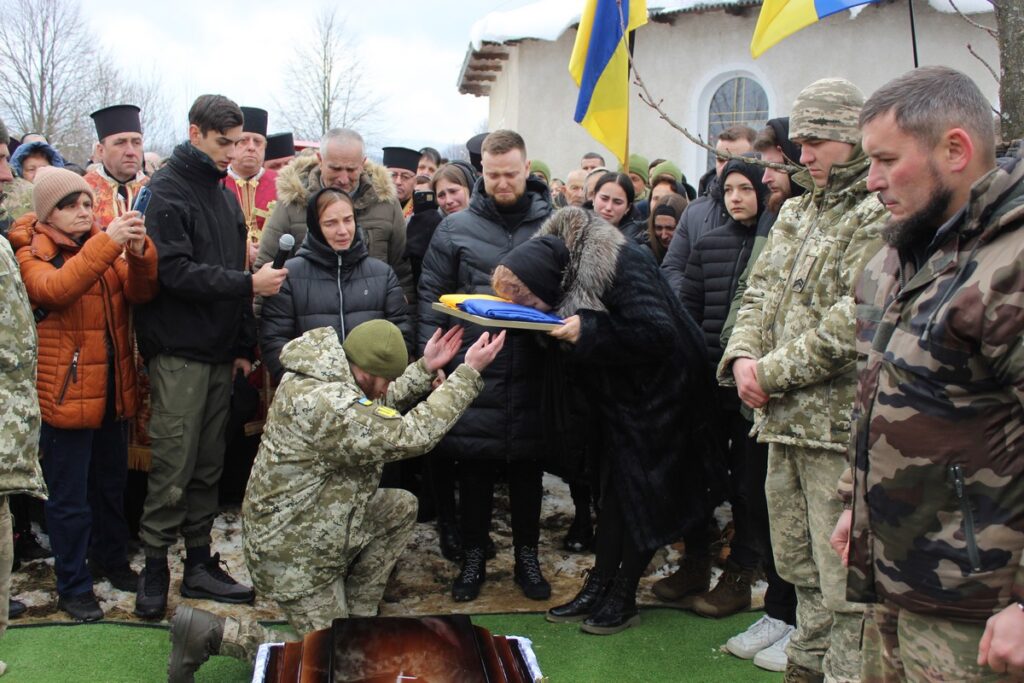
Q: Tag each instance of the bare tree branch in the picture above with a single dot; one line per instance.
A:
(325, 84)
(995, 76)
(991, 31)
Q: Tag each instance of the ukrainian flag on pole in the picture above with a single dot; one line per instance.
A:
(600, 67)
(782, 18)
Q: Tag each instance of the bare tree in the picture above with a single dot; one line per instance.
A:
(1010, 23)
(52, 74)
(46, 57)
(325, 86)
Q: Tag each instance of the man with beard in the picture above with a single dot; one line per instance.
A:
(933, 540)
(254, 187)
(791, 357)
(504, 425)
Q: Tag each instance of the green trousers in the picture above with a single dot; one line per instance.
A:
(190, 402)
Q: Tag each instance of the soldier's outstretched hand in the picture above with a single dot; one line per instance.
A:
(484, 350)
(441, 348)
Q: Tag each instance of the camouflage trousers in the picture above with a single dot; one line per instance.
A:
(388, 524)
(903, 646)
(803, 508)
(6, 559)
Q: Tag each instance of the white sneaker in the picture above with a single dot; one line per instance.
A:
(761, 634)
(773, 657)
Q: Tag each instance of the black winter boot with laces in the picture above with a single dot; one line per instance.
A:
(471, 578)
(209, 582)
(616, 612)
(586, 600)
(528, 575)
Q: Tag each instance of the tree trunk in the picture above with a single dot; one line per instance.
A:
(1010, 25)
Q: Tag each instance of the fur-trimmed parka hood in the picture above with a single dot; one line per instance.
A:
(594, 246)
(300, 179)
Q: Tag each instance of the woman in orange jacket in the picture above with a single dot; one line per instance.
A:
(80, 281)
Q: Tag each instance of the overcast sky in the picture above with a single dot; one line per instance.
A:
(412, 52)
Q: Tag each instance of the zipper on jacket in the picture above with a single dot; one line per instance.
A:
(341, 302)
(957, 475)
(72, 376)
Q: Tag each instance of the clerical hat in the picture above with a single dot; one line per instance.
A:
(255, 120)
(120, 118)
(401, 157)
(279, 146)
(473, 146)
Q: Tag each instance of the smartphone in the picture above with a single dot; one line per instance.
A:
(423, 200)
(142, 201)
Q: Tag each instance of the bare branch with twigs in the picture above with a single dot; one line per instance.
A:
(647, 98)
(992, 71)
(991, 31)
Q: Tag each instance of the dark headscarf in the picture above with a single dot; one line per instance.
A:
(313, 217)
(753, 173)
(540, 263)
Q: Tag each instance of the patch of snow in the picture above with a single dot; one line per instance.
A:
(965, 6)
(545, 20)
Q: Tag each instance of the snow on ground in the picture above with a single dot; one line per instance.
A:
(420, 585)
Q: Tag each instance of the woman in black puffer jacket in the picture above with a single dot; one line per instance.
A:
(332, 282)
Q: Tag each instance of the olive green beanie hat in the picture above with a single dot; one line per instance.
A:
(378, 348)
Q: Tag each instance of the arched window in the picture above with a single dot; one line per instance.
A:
(739, 100)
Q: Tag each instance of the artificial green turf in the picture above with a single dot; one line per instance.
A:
(668, 645)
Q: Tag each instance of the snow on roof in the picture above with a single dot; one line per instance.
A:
(549, 19)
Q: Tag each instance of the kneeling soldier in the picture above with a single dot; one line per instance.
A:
(320, 537)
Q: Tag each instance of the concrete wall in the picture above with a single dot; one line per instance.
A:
(685, 62)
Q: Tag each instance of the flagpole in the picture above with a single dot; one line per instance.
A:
(913, 31)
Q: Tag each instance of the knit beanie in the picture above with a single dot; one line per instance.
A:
(827, 110)
(538, 167)
(637, 164)
(53, 184)
(539, 263)
(378, 348)
(666, 168)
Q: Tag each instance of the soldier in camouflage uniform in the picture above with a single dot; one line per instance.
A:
(19, 405)
(320, 537)
(792, 358)
(938, 496)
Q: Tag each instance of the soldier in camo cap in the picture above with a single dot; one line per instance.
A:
(791, 356)
(19, 405)
(938, 497)
(320, 537)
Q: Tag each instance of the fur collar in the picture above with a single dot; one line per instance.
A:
(594, 247)
(297, 181)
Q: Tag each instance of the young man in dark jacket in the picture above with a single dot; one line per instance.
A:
(503, 425)
(194, 335)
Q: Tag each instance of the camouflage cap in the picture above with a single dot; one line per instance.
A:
(827, 110)
(378, 348)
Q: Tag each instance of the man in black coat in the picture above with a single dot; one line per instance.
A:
(503, 424)
(194, 335)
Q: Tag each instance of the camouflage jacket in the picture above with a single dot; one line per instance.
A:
(797, 314)
(320, 460)
(17, 200)
(19, 406)
(938, 510)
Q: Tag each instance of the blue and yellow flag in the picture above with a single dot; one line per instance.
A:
(600, 67)
(782, 18)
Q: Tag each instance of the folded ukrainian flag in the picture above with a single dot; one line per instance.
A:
(504, 310)
(782, 18)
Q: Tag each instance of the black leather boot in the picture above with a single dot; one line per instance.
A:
(471, 578)
(449, 539)
(616, 612)
(528, 574)
(586, 600)
(581, 533)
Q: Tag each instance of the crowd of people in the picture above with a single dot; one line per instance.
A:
(826, 334)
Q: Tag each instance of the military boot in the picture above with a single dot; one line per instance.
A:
(801, 674)
(195, 635)
(692, 578)
(471, 578)
(528, 574)
(730, 595)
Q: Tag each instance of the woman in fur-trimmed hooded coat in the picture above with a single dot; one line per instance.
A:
(643, 361)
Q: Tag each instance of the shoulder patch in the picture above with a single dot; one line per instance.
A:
(365, 402)
(385, 412)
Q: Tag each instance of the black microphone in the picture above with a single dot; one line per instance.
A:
(284, 250)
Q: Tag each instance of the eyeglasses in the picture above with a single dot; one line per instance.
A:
(402, 175)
